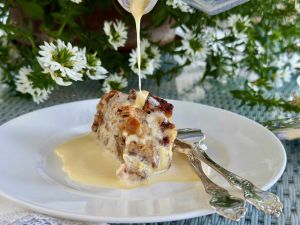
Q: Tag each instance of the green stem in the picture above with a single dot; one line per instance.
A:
(62, 27)
(34, 48)
(173, 69)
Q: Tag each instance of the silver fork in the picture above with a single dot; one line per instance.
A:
(262, 200)
(225, 204)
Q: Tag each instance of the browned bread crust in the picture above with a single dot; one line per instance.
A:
(140, 137)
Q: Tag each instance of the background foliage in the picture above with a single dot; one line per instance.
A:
(256, 44)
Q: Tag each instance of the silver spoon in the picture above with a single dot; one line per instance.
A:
(225, 204)
(262, 200)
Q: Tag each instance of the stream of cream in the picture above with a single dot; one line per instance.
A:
(137, 9)
(86, 162)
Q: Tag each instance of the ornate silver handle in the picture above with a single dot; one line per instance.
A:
(288, 128)
(282, 123)
(225, 204)
(262, 200)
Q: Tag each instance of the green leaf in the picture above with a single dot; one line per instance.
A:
(252, 98)
(33, 10)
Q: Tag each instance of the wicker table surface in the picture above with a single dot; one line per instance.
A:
(287, 188)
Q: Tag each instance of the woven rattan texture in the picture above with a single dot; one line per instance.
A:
(287, 188)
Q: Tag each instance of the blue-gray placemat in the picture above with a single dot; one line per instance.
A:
(287, 188)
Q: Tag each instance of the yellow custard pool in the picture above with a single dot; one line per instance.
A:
(86, 162)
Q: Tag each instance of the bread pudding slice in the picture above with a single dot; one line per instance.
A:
(137, 129)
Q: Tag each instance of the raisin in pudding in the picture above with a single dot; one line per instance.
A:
(137, 129)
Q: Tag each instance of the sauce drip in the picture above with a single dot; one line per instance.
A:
(86, 161)
(137, 8)
(141, 98)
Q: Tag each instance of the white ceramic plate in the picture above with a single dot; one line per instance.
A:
(31, 175)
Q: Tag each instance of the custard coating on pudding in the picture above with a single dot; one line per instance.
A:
(137, 129)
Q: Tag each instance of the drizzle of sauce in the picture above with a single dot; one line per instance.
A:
(141, 98)
(137, 8)
(86, 161)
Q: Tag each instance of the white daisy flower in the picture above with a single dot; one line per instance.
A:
(24, 85)
(62, 61)
(239, 45)
(114, 82)
(40, 95)
(252, 78)
(216, 32)
(231, 21)
(243, 23)
(282, 76)
(181, 5)
(2, 33)
(289, 20)
(150, 59)
(286, 60)
(213, 37)
(297, 6)
(235, 22)
(3, 20)
(223, 79)
(116, 33)
(296, 42)
(259, 48)
(194, 47)
(280, 6)
(3, 38)
(219, 48)
(4, 17)
(242, 38)
(237, 48)
(253, 86)
(238, 57)
(294, 62)
(93, 68)
(232, 49)
(287, 65)
(76, 1)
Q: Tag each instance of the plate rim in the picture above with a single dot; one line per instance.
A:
(147, 219)
(101, 219)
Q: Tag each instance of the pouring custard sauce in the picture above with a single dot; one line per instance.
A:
(86, 161)
(137, 8)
